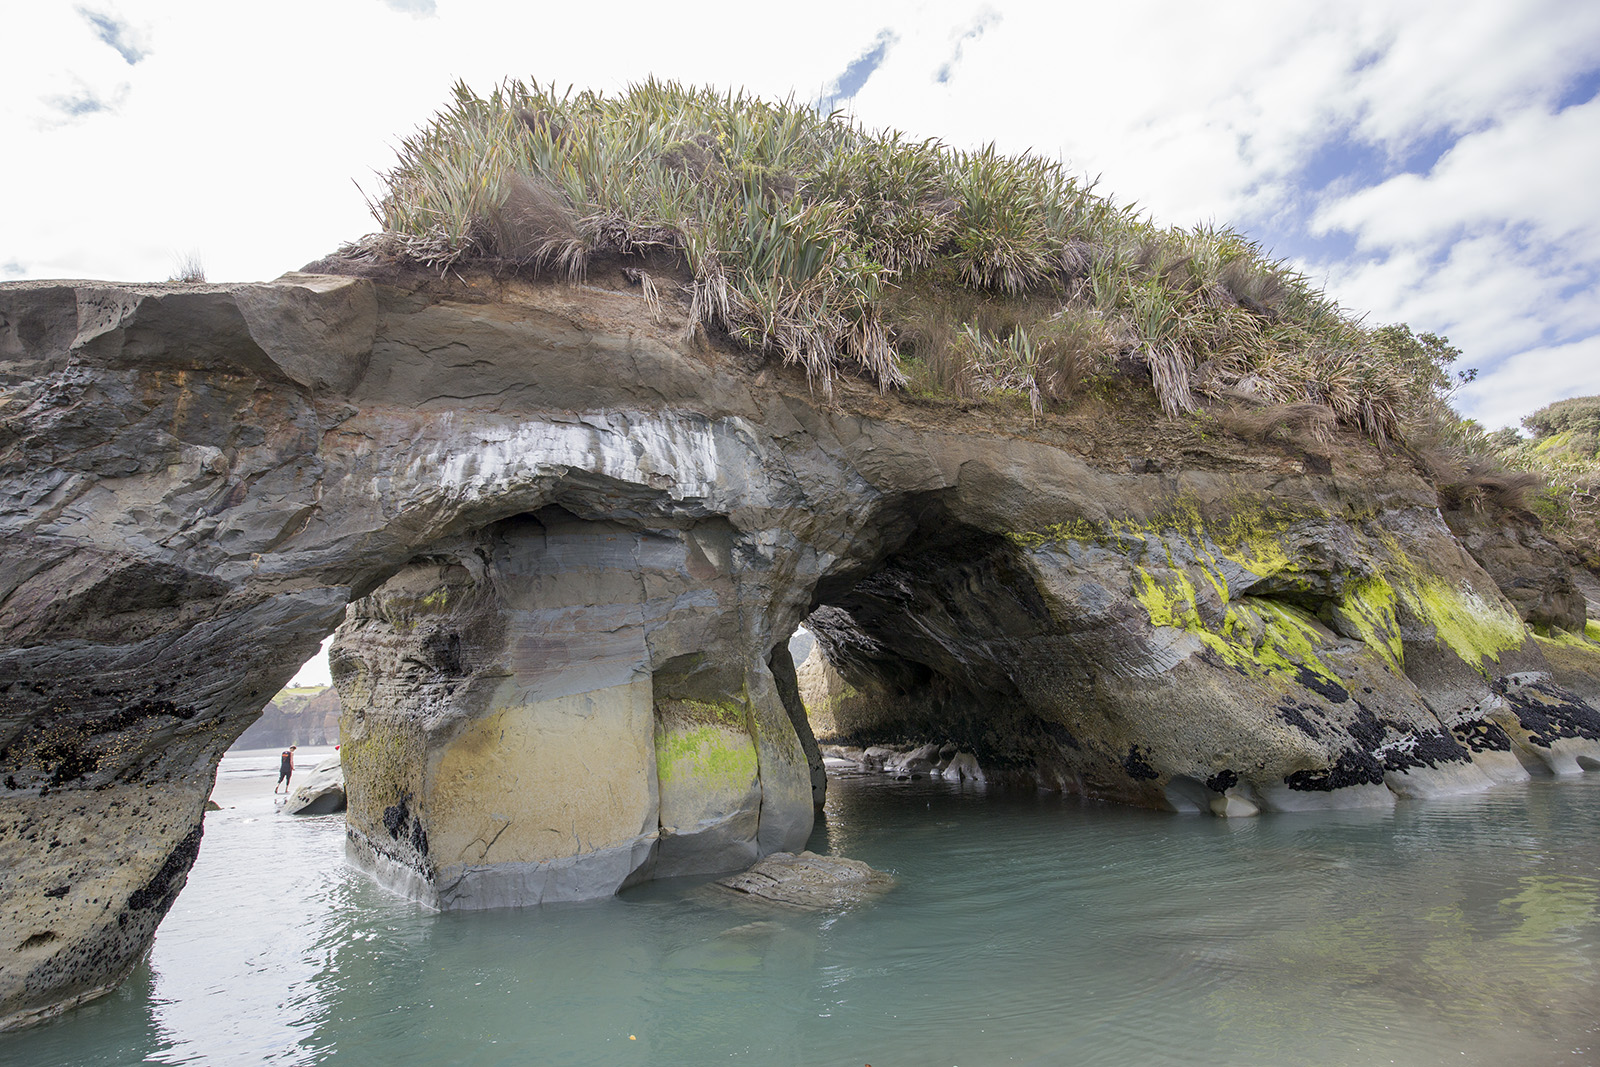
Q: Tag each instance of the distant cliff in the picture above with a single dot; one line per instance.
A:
(307, 715)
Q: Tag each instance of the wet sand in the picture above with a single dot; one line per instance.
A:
(247, 776)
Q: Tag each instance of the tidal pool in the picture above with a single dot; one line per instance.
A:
(1024, 930)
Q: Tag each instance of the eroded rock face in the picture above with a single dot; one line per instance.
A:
(568, 552)
(552, 708)
(1527, 568)
(1286, 656)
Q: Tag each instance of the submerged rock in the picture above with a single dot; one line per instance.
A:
(809, 881)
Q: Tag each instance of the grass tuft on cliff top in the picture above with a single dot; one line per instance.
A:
(849, 251)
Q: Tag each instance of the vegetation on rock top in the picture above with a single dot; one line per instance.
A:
(1565, 452)
(945, 273)
(850, 251)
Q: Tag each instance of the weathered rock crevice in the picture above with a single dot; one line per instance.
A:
(564, 551)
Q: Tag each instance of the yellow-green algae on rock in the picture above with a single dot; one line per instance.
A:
(1472, 626)
(1251, 535)
(719, 753)
(1588, 641)
(1270, 635)
(1369, 608)
(1257, 635)
(708, 764)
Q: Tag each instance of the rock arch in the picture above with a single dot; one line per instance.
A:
(550, 529)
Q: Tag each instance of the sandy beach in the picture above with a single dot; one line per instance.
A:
(247, 776)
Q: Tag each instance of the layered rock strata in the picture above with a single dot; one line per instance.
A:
(568, 551)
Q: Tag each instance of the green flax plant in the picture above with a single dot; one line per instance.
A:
(846, 251)
(1001, 240)
(1013, 364)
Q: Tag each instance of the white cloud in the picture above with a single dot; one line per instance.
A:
(1498, 245)
(415, 8)
(1451, 65)
(1529, 168)
(1531, 379)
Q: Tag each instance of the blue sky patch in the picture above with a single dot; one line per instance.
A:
(1295, 241)
(1581, 91)
(856, 74)
(985, 19)
(119, 35)
(1344, 163)
(1420, 156)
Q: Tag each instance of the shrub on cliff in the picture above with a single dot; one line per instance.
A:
(805, 235)
(1565, 452)
(1578, 415)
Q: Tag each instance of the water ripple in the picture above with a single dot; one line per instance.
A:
(1023, 930)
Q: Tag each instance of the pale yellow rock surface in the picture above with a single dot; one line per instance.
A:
(545, 780)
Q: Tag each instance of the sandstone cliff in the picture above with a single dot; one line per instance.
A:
(566, 551)
(296, 716)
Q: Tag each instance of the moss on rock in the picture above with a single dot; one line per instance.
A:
(1369, 609)
(715, 756)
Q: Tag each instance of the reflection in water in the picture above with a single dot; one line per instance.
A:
(1024, 929)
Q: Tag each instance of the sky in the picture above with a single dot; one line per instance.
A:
(1436, 164)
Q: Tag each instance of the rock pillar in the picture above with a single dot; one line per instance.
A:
(553, 708)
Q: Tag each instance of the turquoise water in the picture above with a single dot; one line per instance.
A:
(1023, 930)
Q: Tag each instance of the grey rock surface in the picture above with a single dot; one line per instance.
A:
(321, 794)
(808, 881)
(566, 552)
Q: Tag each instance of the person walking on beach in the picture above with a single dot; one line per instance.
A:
(285, 768)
